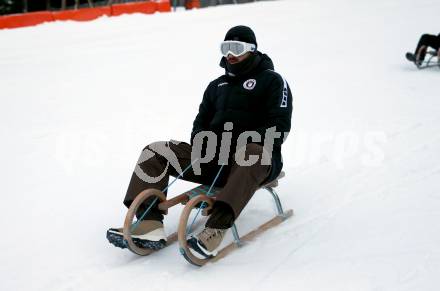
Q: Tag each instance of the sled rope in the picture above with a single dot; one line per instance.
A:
(203, 203)
(135, 225)
(180, 175)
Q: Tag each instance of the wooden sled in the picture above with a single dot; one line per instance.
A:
(432, 59)
(193, 199)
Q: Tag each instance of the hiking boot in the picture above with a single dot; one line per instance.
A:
(207, 241)
(415, 59)
(148, 234)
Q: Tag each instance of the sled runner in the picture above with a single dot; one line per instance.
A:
(433, 60)
(200, 199)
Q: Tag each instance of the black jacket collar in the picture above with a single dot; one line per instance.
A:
(262, 63)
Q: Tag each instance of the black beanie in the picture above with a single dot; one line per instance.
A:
(241, 33)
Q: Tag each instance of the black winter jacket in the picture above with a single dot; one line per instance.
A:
(256, 101)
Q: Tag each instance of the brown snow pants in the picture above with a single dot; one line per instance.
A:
(238, 183)
(425, 41)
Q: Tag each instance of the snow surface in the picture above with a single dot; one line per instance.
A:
(80, 100)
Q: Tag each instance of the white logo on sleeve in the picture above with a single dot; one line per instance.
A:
(285, 95)
(249, 84)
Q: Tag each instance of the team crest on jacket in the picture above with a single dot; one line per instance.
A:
(249, 84)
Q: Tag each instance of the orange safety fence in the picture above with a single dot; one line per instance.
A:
(134, 7)
(163, 5)
(26, 19)
(190, 4)
(83, 14)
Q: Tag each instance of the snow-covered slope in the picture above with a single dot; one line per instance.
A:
(80, 100)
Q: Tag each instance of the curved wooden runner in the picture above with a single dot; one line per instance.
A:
(251, 235)
(143, 196)
(182, 230)
(191, 198)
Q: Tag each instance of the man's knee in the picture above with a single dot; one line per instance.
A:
(428, 40)
(153, 150)
(426, 37)
(155, 144)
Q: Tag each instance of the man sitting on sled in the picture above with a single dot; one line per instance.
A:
(249, 97)
(426, 41)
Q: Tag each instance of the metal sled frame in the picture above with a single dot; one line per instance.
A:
(192, 199)
(432, 61)
(238, 241)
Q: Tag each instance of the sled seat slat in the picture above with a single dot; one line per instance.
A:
(274, 183)
(203, 189)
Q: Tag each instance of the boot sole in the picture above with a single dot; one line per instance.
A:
(118, 241)
(192, 243)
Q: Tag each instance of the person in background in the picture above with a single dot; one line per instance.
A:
(426, 41)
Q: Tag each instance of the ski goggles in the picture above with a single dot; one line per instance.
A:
(236, 48)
